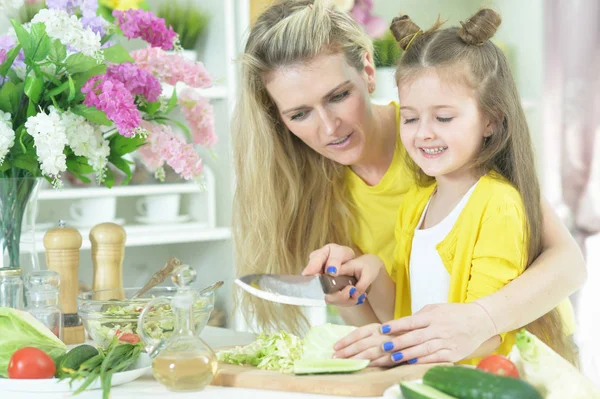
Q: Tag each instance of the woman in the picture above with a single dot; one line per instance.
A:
(317, 163)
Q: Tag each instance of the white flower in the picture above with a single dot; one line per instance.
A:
(86, 140)
(7, 135)
(49, 138)
(9, 6)
(69, 30)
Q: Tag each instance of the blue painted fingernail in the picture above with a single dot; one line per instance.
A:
(332, 269)
(385, 329)
(361, 299)
(412, 361)
(397, 356)
(352, 291)
(388, 346)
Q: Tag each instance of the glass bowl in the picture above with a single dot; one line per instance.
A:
(104, 317)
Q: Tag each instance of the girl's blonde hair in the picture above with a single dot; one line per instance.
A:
(467, 54)
(289, 200)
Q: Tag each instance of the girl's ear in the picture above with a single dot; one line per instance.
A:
(369, 70)
(490, 127)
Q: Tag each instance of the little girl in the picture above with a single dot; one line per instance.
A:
(474, 221)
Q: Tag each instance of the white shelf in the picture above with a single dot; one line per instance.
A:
(217, 92)
(118, 191)
(144, 235)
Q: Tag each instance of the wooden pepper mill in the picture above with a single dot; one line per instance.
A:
(108, 251)
(62, 256)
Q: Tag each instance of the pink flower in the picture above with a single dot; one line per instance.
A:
(115, 100)
(146, 25)
(172, 67)
(361, 12)
(138, 81)
(200, 116)
(164, 146)
(2, 55)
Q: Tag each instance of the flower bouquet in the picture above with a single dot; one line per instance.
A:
(73, 99)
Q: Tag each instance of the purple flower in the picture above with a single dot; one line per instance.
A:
(146, 25)
(361, 12)
(2, 55)
(115, 100)
(136, 80)
(86, 9)
(7, 42)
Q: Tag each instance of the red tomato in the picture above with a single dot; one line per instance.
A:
(499, 365)
(31, 363)
(129, 338)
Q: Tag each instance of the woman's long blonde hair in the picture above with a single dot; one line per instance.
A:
(466, 53)
(289, 200)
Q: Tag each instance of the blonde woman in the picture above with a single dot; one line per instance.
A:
(317, 163)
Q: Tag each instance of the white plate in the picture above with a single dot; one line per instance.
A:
(177, 219)
(82, 224)
(394, 392)
(142, 365)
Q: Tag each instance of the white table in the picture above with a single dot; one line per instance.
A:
(147, 387)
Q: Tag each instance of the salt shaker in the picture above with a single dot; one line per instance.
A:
(62, 256)
(42, 292)
(11, 288)
(108, 251)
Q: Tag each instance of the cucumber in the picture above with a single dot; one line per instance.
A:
(74, 358)
(415, 390)
(326, 366)
(471, 383)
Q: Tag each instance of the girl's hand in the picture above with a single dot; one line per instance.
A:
(365, 342)
(335, 260)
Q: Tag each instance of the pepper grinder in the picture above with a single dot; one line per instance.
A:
(108, 251)
(62, 256)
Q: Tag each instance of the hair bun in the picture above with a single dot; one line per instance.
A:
(480, 27)
(403, 29)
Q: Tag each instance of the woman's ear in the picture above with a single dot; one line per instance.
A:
(369, 71)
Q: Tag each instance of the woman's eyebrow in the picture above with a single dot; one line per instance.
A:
(329, 93)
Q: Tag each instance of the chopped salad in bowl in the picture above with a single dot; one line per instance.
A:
(105, 314)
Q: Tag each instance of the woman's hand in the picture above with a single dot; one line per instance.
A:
(335, 260)
(447, 332)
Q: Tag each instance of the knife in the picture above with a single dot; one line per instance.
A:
(294, 289)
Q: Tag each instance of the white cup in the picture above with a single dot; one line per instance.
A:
(91, 211)
(159, 207)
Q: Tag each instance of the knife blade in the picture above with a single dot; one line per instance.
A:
(294, 289)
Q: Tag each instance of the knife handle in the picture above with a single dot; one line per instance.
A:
(331, 285)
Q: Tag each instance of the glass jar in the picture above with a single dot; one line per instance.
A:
(42, 290)
(11, 288)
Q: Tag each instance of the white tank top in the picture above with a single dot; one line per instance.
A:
(429, 279)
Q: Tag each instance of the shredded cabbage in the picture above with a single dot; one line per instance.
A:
(552, 375)
(279, 351)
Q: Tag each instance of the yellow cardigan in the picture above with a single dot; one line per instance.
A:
(484, 251)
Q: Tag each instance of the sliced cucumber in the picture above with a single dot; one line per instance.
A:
(414, 390)
(325, 366)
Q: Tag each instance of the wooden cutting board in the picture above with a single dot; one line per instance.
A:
(372, 381)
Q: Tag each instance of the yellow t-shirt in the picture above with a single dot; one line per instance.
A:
(484, 251)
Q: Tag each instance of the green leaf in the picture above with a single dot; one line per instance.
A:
(71, 89)
(33, 87)
(77, 63)
(109, 179)
(78, 164)
(57, 90)
(105, 13)
(40, 41)
(27, 162)
(117, 54)
(31, 111)
(9, 97)
(120, 145)
(24, 38)
(58, 52)
(10, 58)
(122, 165)
(151, 108)
(82, 78)
(92, 114)
(172, 102)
